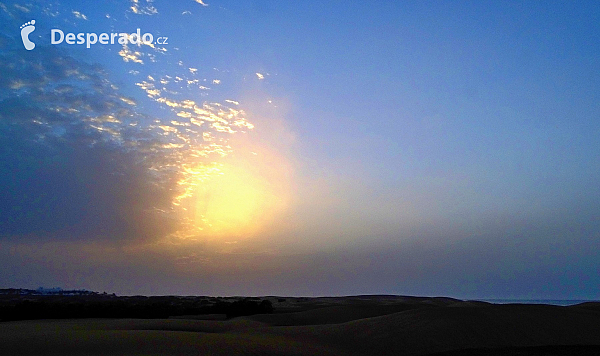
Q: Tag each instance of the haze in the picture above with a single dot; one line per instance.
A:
(303, 148)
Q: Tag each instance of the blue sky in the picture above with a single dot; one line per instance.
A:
(307, 148)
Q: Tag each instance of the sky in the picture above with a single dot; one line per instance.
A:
(433, 148)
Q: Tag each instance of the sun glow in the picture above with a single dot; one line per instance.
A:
(234, 202)
(233, 199)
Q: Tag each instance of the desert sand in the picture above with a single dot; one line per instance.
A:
(360, 325)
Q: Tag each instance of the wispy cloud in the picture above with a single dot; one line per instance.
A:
(143, 7)
(79, 15)
(64, 104)
(22, 8)
(129, 55)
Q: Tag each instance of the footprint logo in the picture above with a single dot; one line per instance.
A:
(26, 29)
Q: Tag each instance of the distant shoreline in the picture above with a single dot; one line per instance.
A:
(559, 302)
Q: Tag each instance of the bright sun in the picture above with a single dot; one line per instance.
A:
(233, 203)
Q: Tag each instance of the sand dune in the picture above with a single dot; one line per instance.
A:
(146, 337)
(330, 314)
(326, 327)
(428, 330)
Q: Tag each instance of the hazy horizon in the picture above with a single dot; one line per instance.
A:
(303, 149)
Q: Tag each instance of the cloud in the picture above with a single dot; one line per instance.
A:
(90, 180)
(142, 7)
(84, 163)
(79, 15)
(69, 168)
(22, 8)
(130, 55)
(80, 161)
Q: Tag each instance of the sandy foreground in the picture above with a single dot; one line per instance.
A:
(327, 326)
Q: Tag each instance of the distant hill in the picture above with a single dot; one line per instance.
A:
(45, 291)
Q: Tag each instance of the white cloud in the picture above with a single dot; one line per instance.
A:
(79, 15)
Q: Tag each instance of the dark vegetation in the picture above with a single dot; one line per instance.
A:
(29, 305)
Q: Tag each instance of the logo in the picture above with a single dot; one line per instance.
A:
(57, 36)
(26, 29)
